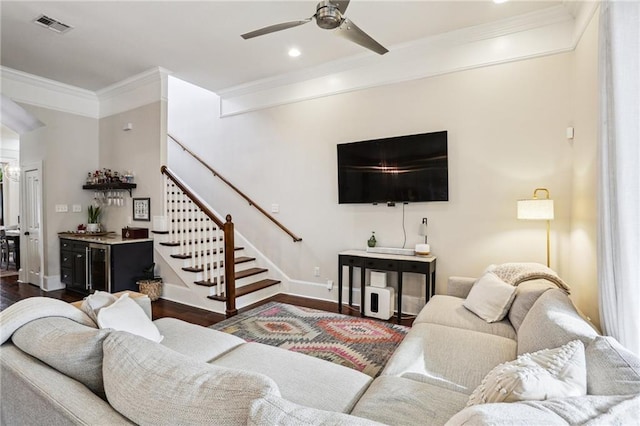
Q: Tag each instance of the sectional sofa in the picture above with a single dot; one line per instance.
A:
(56, 367)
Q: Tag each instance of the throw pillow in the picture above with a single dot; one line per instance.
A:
(71, 348)
(549, 373)
(92, 304)
(490, 298)
(611, 368)
(274, 410)
(126, 315)
(154, 385)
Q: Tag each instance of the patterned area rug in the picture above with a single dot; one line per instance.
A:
(359, 343)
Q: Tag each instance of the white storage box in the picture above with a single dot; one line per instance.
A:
(378, 302)
(378, 279)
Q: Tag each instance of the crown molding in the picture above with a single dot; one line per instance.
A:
(545, 32)
(43, 92)
(138, 90)
(141, 89)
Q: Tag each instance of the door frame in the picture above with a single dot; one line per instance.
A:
(23, 274)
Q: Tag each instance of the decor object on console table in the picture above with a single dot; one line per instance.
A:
(423, 249)
(371, 242)
(538, 209)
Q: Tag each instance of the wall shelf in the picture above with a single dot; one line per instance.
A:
(110, 186)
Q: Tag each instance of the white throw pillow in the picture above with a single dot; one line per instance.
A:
(537, 376)
(92, 304)
(490, 298)
(126, 315)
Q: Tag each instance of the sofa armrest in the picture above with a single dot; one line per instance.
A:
(460, 286)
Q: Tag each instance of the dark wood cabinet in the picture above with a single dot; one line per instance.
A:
(73, 264)
(87, 266)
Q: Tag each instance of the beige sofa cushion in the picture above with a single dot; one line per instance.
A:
(200, 343)
(151, 384)
(448, 310)
(33, 393)
(526, 295)
(552, 322)
(611, 368)
(404, 402)
(301, 379)
(274, 410)
(71, 348)
(448, 357)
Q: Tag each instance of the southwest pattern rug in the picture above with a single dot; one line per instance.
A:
(359, 343)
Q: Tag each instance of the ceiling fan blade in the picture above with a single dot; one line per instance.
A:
(274, 28)
(341, 5)
(350, 31)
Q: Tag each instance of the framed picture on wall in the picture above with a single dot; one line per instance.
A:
(141, 208)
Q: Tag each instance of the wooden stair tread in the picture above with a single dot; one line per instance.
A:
(248, 289)
(237, 260)
(238, 275)
(208, 253)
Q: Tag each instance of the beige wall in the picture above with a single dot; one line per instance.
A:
(506, 127)
(67, 145)
(138, 150)
(582, 273)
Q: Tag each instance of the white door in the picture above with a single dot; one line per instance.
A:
(31, 260)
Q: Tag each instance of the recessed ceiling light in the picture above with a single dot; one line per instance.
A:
(294, 53)
(500, 1)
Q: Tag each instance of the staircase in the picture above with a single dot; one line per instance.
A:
(199, 247)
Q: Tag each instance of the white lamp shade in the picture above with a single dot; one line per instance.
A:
(422, 230)
(535, 209)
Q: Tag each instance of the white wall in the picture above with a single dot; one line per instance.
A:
(506, 127)
(68, 147)
(582, 273)
(138, 150)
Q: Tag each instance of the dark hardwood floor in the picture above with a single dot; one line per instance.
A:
(12, 291)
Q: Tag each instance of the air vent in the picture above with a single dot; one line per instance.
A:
(52, 24)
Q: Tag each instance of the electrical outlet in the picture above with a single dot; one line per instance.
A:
(316, 271)
(329, 285)
(275, 208)
(77, 208)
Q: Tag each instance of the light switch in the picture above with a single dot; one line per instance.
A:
(77, 208)
(62, 208)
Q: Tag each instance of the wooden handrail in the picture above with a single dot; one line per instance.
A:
(229, 243)
(239, 192)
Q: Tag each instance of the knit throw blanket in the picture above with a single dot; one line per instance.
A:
(516, 273)
(33, 308)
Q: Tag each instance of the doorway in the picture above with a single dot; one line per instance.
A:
(32, 261)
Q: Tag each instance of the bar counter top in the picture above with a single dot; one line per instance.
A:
(110, 238)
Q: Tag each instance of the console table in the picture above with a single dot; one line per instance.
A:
(385, 262)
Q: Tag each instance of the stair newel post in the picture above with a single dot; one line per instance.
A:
(229, 267)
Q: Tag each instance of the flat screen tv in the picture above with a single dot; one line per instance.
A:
(411, 168)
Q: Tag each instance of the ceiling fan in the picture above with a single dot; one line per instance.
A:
(329, 15)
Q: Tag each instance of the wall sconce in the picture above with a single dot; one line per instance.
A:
(12, 172)
(538, 209)
(423, 249)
